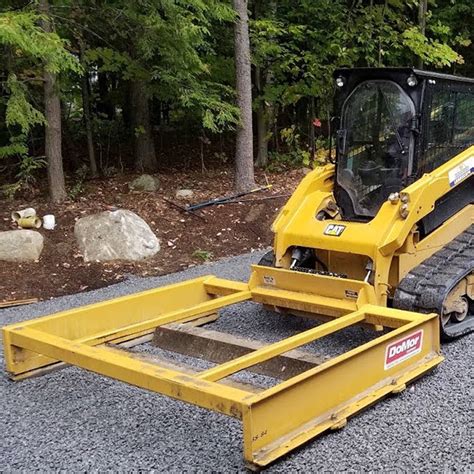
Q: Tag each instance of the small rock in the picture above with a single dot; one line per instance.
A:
(145, 182)
(115, 235)
(184, 194)
(306, 171)
(20, 245)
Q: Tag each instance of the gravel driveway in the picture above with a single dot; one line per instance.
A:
(73, 420)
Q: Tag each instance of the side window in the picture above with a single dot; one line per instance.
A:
(441, 118)
(463, 131)
(450, 127)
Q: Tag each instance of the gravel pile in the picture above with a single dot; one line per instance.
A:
(74, 420)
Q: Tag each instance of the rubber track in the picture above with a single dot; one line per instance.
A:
(425, 288)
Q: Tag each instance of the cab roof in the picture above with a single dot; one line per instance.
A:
(373, 72)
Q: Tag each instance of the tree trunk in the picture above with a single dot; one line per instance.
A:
(244, 172)
(104, 103)
(86, 107)
(52, 112)
(422, 11)
(262, 122)
(262, 137)
(144, 146)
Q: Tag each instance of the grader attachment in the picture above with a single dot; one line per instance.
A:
(275, 420)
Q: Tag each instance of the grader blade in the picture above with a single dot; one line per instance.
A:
(275, 420)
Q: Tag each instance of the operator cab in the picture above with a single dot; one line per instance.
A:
(394, 124)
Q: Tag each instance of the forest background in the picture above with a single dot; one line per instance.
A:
(100, 88)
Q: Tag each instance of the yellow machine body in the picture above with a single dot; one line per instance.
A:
(390, 241)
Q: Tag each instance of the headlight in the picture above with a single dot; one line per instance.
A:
(340, 81)
(412, 81)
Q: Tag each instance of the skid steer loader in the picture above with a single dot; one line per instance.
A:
(383, 236)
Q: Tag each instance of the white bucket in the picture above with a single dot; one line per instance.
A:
(49, 222)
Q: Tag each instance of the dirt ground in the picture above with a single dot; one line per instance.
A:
(186, 239)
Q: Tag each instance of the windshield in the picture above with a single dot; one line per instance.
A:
(374, 144)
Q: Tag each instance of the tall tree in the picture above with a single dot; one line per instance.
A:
(86, 111)
(422, 12)
(36, 56)
(244, 172)
(144, 146)
(264, 10)
(52, 113)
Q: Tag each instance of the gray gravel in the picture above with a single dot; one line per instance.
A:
(74, 420)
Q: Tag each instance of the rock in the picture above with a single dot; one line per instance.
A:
(306, 171)
(184, 194)
(145, 182)
(115, 235)
(20, 245)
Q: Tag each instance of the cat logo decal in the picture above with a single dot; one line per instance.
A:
(334, 229)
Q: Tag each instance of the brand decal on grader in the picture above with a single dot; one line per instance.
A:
(403, 349)
(334, 229)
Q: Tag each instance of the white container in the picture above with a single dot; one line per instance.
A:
(49, 222)
(23, 214)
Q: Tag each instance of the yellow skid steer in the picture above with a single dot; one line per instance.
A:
(383, 236)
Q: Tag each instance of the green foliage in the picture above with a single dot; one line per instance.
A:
(168, 45)
(19, 111)
(431, 51)
(203, 255)
(21, 31)
(295, 156)
(297, 44)
(217, 113)
(78, 187)
(182, 52)
(20, 117)
(26, 176)
(30, 51)
(28, 166)
(139, 131)
(456, 17)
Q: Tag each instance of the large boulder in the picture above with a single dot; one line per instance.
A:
(115, 235)
(20, 245)
(145, 182)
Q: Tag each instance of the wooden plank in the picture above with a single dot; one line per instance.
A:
(272, 351)
(183, 368)
(220, 347)
(8, 304)
(127, 344)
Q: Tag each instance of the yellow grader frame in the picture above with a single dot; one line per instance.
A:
(323, 395)
(275, 420)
